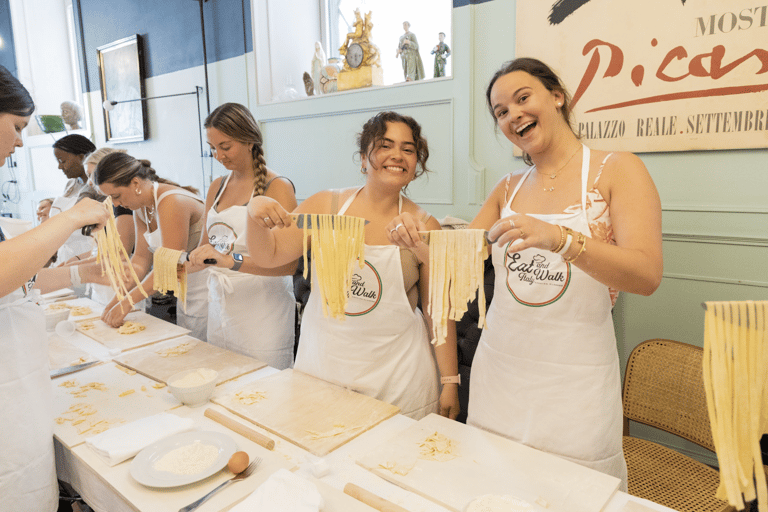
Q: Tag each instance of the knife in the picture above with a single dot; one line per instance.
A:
(184, 257)
(424, 236)
(301, 218)
(72, 369)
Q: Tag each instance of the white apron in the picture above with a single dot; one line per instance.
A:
(248, 314)
(195, 316)
(77, 243)
(27, 464)
(382, 348)
(546, 370)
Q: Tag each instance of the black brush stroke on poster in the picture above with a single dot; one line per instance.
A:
(564, 8)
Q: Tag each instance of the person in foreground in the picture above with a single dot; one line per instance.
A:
(166, 215)
(574, 229)
(27, 467)
(251, 310)
(382, 349)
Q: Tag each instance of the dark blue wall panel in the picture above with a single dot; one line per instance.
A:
(462, 3)
(7, 51)
(171, 31)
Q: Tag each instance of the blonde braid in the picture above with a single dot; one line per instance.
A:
(259, 170)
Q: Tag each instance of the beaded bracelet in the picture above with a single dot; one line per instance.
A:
(583, 241)
(562, 240)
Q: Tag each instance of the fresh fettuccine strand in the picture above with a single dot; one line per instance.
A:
(735, 369)
(456, 270)
(168, 277)
(337, 241)
(112, 254)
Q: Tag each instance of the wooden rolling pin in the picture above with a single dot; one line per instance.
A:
(244, 431)
(371, 499)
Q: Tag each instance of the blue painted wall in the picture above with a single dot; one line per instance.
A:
(7, 52)
(170, 29)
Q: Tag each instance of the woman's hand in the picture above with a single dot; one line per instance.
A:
(403, 231)
(86, 212)
(449, 401)
(115, 316)
(524, 232)
(267, 212)
(207, 252)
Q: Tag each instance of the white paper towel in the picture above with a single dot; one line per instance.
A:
(282, 492)
(121, 443)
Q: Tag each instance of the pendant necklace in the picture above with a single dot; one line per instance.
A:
(557, 172)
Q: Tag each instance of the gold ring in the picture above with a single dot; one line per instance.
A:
(522, 234)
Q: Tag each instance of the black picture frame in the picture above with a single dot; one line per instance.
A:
(121, 73)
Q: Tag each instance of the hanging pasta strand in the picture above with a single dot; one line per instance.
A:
(112, 254)
(168, 277)
(456, 269)
(735, 369)
(337, 241)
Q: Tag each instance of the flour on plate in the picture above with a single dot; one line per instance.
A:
(187, 460)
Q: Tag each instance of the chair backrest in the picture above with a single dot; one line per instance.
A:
(664, 388)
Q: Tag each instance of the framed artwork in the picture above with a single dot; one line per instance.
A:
(121, 73)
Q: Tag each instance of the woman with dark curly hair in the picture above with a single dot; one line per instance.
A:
(382, 349)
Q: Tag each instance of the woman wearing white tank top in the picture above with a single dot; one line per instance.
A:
(251, 310)
(574, 229)
(166, 215)
(382, 348)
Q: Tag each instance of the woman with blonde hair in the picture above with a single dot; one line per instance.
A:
(165, 215)
(251, 309)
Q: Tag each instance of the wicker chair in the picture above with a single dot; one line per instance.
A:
(664, 388)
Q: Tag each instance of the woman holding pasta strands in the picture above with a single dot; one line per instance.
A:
(573, 229)
(27, 464)
(165, 215)
(251, 310)
(382, 347)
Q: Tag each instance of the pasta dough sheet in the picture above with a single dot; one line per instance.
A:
(168, 277)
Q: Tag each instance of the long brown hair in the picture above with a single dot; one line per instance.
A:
(120, 168)
(543, 74)
(236, 121)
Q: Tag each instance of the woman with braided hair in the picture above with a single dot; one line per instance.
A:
(165, 215)
(251, 310)
(70, 152)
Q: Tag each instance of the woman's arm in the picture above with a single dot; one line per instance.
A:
(446, 354)
(635, 263)
(23, 256)
(284, 244)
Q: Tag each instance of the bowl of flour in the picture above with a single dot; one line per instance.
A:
(194, 387)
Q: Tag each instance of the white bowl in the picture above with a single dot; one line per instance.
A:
(54, 316)
(193, 387)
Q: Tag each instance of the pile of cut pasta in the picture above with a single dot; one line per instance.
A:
(735, 371)
(337, 242)
(112, 254)
(456, 269)
(167, 276)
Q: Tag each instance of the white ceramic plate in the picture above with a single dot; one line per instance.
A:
(142, 467)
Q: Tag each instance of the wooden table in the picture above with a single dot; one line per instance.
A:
(112, 489)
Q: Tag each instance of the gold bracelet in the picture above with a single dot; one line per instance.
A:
(562, 239)
(583, 241)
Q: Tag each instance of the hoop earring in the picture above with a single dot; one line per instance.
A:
(363, 170)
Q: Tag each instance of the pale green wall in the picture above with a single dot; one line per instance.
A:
(715, 218)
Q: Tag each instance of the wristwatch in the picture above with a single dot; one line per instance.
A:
(238, 261)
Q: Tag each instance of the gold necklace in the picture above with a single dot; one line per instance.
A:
(557, 172)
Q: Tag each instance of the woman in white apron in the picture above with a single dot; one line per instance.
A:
(251, 310)
(382, 348)
(70, 152)
(165, 215)
(574, 228)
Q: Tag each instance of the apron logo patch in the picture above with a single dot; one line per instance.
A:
(365, 291)
(536, 279)
(222, 237)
